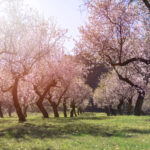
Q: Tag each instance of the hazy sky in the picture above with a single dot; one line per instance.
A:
(67, 13)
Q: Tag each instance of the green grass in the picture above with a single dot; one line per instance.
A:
(87, 132)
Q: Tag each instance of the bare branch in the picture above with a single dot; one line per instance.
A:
(59, 100)
(146, 61)
(127, 80)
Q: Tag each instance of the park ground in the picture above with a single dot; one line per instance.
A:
(90, 131)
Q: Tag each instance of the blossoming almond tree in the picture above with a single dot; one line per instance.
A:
(29, 37)
(67, 71)
(113, 93)
(115, 36)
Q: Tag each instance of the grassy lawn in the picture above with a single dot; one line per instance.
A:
(87, 132)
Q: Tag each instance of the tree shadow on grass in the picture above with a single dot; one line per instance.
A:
(53, 131)
(77, 119)
(138, 131)
(65, 128)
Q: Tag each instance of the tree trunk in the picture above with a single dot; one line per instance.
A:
(54, 107)
(129, 109)
(72, 112)
(107, 110)
(78, 111)
(121, 102)
(41, 108)
(112, 111)
(9, 113)
(139, 103)
(25, 110)
(55, 110)
(65, 108)
(33, 108)
(9, 110)
(75, 112)
(16, 102)
(1, 113)
(91, 102)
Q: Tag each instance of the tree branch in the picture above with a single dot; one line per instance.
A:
(53, 83)
(146, 61)
(147, 4)
(37, 91)
(127, 80)
(128, 61)
(6, 90)
(59, 100)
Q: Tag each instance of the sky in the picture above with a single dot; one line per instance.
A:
(68, 14)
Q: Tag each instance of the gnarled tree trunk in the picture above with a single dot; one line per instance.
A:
(73, 111)
(54, 107)
(65, 108)
(1, 113)
(41, 108)
(139, 103)
(25, 110)
(121, 102)
(9, 110)
(79, 111)
(107, 110)
(129, 109)
(16, 101)
(112, 111)
(55, 110)
(42, 96)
